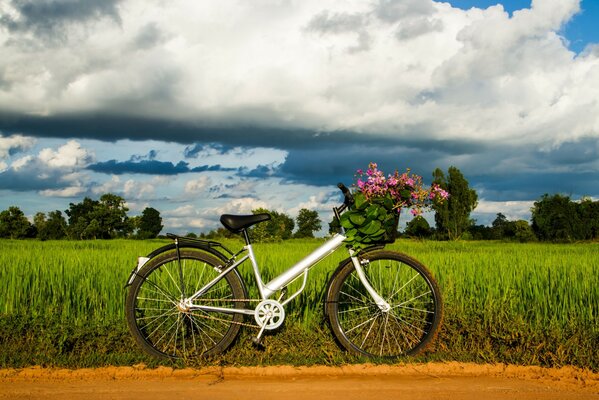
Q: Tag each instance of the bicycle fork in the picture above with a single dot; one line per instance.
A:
(380, 302)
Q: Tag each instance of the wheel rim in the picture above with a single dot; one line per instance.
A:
(172, 329)
(405, 328)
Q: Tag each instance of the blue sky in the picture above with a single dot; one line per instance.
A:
(203, 108)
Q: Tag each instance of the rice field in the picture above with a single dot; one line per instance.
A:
(501, 299)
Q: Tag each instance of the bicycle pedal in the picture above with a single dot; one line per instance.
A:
(257, 342)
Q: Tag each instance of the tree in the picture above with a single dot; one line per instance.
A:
(523, 231)
(279, 227)
(557, 218)
(307, 223)
(500, 226)
(334, 226)
(418, 227)
(53, 228)
(452, 218)
(14, 224)
(80, 215)
(109, 213)
(149, 224)
(588, 212)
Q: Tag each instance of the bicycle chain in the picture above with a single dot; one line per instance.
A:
(230, 321)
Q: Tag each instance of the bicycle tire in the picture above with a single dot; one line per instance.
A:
(165, 331)
(362, 328)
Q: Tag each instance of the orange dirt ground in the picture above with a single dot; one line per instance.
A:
(410, 381)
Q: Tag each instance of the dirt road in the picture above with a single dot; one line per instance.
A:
(406, 382)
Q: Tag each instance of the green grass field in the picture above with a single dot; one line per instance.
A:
(63, 303)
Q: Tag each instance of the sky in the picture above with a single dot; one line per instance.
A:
(203, 108)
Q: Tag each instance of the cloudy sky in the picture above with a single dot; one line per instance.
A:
(205, 107)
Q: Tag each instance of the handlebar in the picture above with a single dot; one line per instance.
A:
(349, 199)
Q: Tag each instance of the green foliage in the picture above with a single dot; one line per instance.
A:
(149, 224)
(418, 227)
(14, 224)
(369, 222)
(308, 222)
(99, 219)
(279, 227)
(523, 231)
(503, 229)
(557, 218)
(53, 228)
(453, 216)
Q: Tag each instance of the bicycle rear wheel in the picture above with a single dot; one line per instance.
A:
(363, 328)
(158, 323)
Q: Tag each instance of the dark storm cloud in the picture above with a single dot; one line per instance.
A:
(340, 23)
(532, 185)
(194, 150)
(327, 166)
(149, 36)
(151, 167)
(336, 23)
(577, 153)
(392, 11)
(498, 171)
(109, 127)
(46, 18)
(24, 181)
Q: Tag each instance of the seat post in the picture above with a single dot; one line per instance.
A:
(246, 236)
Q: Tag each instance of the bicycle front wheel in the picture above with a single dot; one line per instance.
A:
(363, 328)
(166, 329)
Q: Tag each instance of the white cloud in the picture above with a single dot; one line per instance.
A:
(112, 185)
(197, 185)
(422, 66)
(243, 205)
(21, 162)
(72, 191)
(13, 144)
(137, 190)
(69, 155)
(513, 210)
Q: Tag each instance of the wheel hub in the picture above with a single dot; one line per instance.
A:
(184, 306)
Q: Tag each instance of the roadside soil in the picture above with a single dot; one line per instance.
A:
(409, 381)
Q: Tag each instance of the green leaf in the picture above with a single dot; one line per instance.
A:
(345, 221)
(360, 201)
(351, 232)
(370, 228)
(373, 211)
(357, 218)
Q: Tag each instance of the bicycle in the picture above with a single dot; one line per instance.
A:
(187, 299)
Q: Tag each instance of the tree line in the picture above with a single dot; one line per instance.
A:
(553, 218)
(105, 218)
(279, 227)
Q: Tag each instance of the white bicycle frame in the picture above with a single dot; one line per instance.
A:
(280, 282)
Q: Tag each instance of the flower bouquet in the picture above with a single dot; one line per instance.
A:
(378, 201)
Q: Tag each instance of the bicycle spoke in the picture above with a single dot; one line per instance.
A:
(362, 326)
(163, 327)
